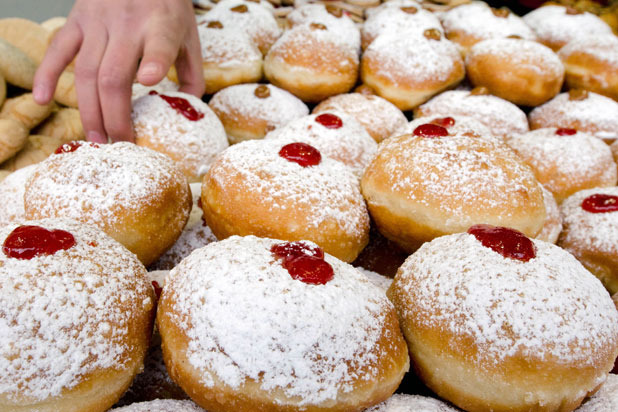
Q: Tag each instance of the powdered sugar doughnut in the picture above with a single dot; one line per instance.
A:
(312, 62)
(470, 23)
(378, 116)
(334, 134)
(249, 111)
(161, 405)
(383, 282)
(605, 399)
(566, 161)
(229, 56)
(329, 345)
(409, 70)
(581, 110)
(411, 403)
(455, 124)
(250, 17)
(332, 17)
(12, 194)
(521, 71)
(590, 232)
(503, 118)
(497, 321)
(434, 182)
(252, 189)
(591, 63)
(556, 25)
(195, 235)
(405, 20)
(164, 86)
(136, 195)
(553, 219)
(76, 315)
(181, 126)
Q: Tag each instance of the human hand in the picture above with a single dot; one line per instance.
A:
(109, 37)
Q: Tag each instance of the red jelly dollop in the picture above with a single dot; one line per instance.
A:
(157, 289)
(563, 131)
(182, 106)
(26, 242)
(430, 130)
(600, 203)
(73, 146)
(444, 121)
(304, 262)
(329, 120)
(301, 153)
(509, 243)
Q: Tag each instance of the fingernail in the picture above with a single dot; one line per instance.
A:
(96, 137)
(40, 94)
(150, 69)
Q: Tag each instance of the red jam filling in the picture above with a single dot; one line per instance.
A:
(444, 121)
(509, 243)
(329, 120)
(301, 153)
(157, 289)
(600, 203)
(430, 130)
(73, 146)
(563, 131)
(182, 106)
(304, 262)
(26, 242)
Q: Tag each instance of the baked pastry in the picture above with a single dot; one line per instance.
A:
(381, 281)
(286, 191)
(164, 86)
(195, 234)
(497, 321)
(409, 70)
(605, 399)
(553, 219)
(521, 71)
(591, 63)
(503, 118)
(161, 405)
(556, 25)
(76, 312)
(312, 61)
(411, 403)
(308, 353)
(581, 110)
(335, 135)
(13, 137)
(136, 195)
(63, 124)
(434, 182)
(250, 111)
(36, 149)
(454, 124)
(25, 110)
(590, 232)
(378, 116)
(566, 161)
(472, 22)
(181, 126)
(12, 190)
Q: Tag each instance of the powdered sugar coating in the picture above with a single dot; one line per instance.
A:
(240, 102)
(161, 405)
(589, 231)
(12, 190)
(193, 145)
(349, 144)
(64, 316)
(411, 403)
(595, 114)
(383, 282)
(477, 19)
(602, 48)
(463, 125)
(553, 219)
(369, 12)
(555, 26)
(605, 399)
(378, 116)
(258, 22)
(195, 235)
(565, 163)
(99, 185)
(343, 27)
(228, 47)
(520, 53)
(250, 319)
(503, 118)
(164, 86)
(327, 192)
(549, 308)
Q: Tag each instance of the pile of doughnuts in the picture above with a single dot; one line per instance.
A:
(423, 196)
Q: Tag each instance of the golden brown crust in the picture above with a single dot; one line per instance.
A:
(26, 35)
(16, 67)
(65, 90)
(37, 148)
(25, 110)
(63, 124)
(241, 126)
(13, 136)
